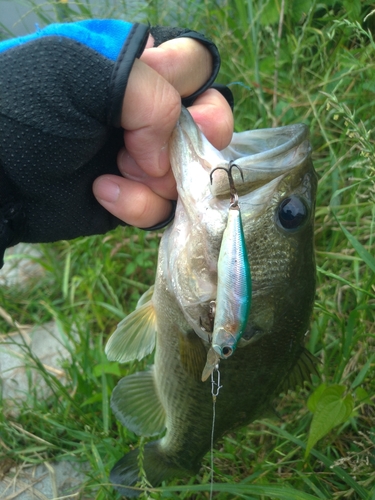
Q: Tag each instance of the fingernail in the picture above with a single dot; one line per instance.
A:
(107, 191)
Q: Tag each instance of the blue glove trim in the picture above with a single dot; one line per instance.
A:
(105, 36)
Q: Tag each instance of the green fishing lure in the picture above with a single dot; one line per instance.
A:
(233, 301)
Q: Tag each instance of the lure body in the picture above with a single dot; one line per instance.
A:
(233, 298)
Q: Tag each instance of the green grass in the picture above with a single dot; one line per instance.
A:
(320, 72)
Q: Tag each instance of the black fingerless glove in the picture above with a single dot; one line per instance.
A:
(61, 93)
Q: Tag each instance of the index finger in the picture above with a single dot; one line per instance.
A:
(184, 62)
(152, 101)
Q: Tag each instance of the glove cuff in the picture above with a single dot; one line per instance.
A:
(165, 222)
(211, 47)
(162, 34)
(132, 48)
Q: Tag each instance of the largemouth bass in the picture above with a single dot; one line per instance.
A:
(277, 197)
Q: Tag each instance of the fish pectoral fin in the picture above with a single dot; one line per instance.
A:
(212, 361)
(146, 297)
(135, 335)
(192, 354)
(301, 372)
(136, 404)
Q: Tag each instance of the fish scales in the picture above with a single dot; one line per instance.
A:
(277, 209)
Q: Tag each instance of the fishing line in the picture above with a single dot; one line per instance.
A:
(215, 389)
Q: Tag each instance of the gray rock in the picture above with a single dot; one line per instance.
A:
(48, 481)
(17, 369)
(20, 265)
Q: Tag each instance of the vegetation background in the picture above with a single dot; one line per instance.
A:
(286, 61)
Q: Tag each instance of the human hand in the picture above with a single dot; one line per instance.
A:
(151, 109)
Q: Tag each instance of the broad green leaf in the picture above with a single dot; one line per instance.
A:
(94, 399)
(369, 86)
(299, 9)
(270, 13)
(111, 368)
(315, 397)
(353, 9)
(363, 396)
(330, 410)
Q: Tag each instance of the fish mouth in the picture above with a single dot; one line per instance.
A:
(263, 156)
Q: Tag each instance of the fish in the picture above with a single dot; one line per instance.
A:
(173, 318)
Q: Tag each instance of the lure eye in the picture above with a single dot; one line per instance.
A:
(227, 351)
(292, 213)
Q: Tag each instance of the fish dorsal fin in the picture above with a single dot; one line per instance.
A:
(136, 404)
(135, 335)
(301, 372)
(192, 354)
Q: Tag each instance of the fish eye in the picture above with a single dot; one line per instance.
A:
(292, 213)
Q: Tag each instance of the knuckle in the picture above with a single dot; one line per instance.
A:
(166, 106)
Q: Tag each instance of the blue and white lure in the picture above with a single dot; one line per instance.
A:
(230, 311)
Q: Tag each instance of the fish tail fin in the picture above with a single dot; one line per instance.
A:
(125, 474)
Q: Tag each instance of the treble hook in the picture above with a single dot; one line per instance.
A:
(233, 191)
